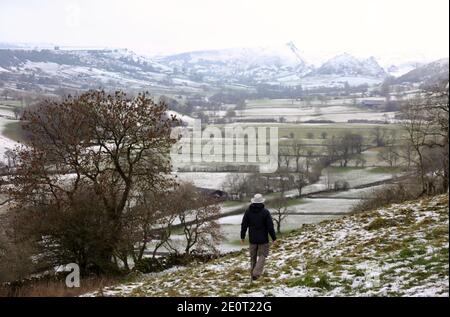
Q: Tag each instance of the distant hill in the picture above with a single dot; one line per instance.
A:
(249, 65)
(348, 65)
(81, 69)
(272, 64)
(427, 74)
(48, 69)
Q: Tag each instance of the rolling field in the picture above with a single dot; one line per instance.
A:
(301, 130)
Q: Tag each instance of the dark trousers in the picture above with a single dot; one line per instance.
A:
(258, 255)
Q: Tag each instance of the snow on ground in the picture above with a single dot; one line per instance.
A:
(356, 176)
(184, 118)
(339, 111)
(399, 250)
(6, 113)
(336, 117)
(355, 193)
(5, 143)
(329, 81)
(203, 179)
(299, 111)
(326, 206)
(48, 67)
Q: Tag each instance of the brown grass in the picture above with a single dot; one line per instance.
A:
(57, 288)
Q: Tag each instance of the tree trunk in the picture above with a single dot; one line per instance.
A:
(422, 173)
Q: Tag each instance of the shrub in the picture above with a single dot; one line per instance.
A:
(387, 195)
(341, 185)
(150, 265)
(310, 281)
(379, 223)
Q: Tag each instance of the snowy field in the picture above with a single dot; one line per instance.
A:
(203, 179)
(355, 176)
(355, 193)
(328, 81)
(291, 111)
(337, 110)
(302, 115)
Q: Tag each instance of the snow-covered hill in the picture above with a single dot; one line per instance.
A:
(428, 74)
(348, 65)
(400, 250)
(282, 64)
(50, 69)
(46, 70)
(401, 69)
(259, 64)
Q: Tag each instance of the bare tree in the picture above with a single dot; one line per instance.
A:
(234, 184)
(406, 152)
(349, 146)
(150, 219)
(438, 112)
(309, 158)
(379, 135)
(297, 148)
(301, 180)
(426, 125)
(332, 149)
(6, 93)
(284, 180)
(417, 128)
(284, 158)
(17, 111)
(389, 154)
(360, 160)
(280, 207)
(197, 214)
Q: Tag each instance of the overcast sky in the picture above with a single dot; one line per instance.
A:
(360, 27)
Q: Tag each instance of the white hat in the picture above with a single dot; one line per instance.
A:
(257, 199)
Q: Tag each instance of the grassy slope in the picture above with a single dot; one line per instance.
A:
(13, 131)
(401, 250)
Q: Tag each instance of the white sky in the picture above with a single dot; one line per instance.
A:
(361, 27)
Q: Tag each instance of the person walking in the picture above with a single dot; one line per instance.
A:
(260, 224)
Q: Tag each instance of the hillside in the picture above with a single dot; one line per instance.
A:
(347, 65)
(400, 250)
(51, 69)
(245, 65)
(47, 70)
(428, 74)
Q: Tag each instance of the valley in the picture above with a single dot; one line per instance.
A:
(343, 146)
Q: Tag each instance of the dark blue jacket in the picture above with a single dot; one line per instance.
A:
(260, 224)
